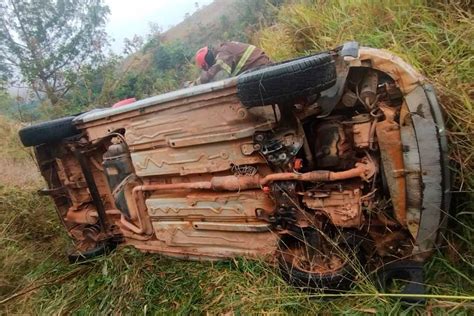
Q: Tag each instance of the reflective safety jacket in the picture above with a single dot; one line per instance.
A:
(233, 58)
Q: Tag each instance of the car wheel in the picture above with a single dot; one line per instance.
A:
(287, 82)
(101, 249)
(312, 263)
(48, 132)
(409, 271)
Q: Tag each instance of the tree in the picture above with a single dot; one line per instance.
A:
(133, 45)
(172, 55)
(44, 41)
(4, 75)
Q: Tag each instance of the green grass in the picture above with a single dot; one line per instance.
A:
(131, 282)
(35, 277)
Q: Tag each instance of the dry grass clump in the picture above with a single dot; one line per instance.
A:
(17, 165)
(20, 173)
(436, 38)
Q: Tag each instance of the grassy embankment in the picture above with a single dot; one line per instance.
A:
(36, 279)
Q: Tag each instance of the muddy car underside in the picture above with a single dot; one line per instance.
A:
(353, 172)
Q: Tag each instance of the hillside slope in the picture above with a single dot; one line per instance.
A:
(204, 21)
(201, 28)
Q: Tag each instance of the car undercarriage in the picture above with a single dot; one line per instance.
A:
(326, 166)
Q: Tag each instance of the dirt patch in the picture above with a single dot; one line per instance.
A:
(19, 172)
(17, 165)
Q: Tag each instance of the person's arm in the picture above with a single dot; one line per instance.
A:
(219, 66)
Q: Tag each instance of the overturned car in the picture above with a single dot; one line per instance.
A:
(322, 165)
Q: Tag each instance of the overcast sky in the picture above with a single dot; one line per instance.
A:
(132, 17)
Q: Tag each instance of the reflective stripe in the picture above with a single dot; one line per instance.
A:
(224, 66)
(243, 59)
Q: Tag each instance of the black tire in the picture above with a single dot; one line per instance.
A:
(48, 132)
(288, 82)
(334, 281)
(102, 249)
(407, 270)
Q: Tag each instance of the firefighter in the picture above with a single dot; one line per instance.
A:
(228, 60)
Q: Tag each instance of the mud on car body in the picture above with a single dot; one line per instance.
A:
(325, 165)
